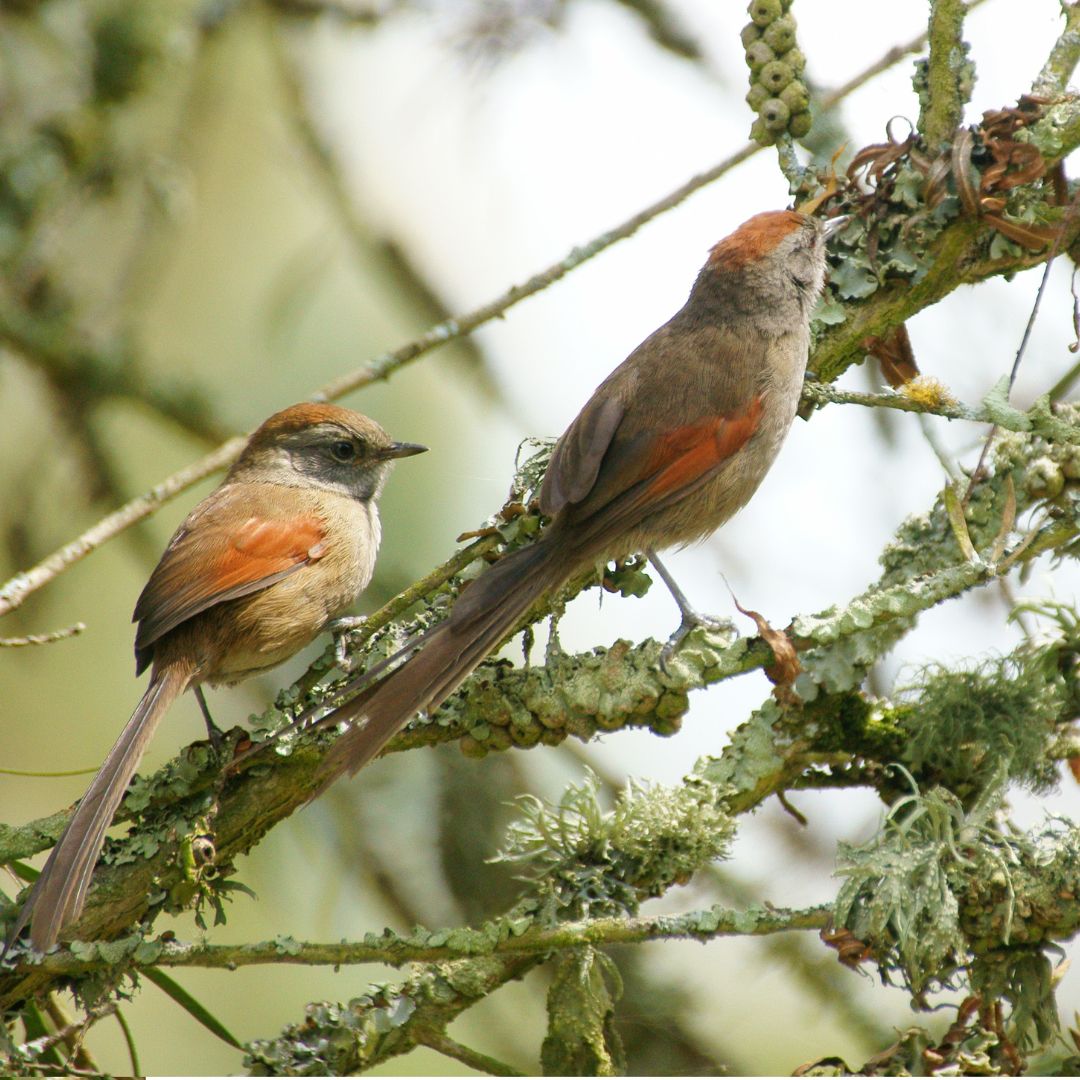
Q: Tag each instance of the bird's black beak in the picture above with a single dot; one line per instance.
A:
(835, 225)
(403, 449)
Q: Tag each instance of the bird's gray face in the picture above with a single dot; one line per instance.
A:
(802, 256)
(336, 458)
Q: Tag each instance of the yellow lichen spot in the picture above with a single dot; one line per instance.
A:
(928, 391)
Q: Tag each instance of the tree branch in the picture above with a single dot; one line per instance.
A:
(495, 938)
(932, 399)
(948, 78)
(1064, 56)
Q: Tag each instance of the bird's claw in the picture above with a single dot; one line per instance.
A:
(341, 628)
(216, 736)
(691, 620)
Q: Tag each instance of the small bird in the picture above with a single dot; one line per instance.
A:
(669, 446)
(256, 571)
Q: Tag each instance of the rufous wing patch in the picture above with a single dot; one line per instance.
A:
(223, 562)
(682, 456)
(261, 548)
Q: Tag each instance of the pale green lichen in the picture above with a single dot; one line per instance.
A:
(588, 862)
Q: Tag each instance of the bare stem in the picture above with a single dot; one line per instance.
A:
(42, 639)
(18, 588)
(440, 1041)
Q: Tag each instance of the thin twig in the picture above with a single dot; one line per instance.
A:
(452, 329)
(952, 470)
(70, 1033)
(1063, 57)
(1046, 423)
(443, 1044)
(43, 639)
(977, 473)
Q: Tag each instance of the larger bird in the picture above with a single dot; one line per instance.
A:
(254, 573)
(669, 446)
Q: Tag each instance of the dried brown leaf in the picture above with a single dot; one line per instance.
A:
(785, 667)
(894, 353)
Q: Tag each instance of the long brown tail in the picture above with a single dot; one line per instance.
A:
(59, 893)
(486, 613)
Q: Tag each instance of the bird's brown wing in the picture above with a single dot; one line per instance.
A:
(225, 553)
(577, 456)
(621, 461)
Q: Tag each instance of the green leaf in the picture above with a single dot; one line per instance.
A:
(36, 1028)
(24, 870)
(852, 281)
(190, 1005)
(955, 511)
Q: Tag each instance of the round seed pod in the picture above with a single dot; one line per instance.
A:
(756, 96)
(780, 35)
(758, 55)
(795, 60)
(750, 34)
(795, 96)
(764, 12)
(775, 115)
(761, 134)
(799, 124)
(775, 75)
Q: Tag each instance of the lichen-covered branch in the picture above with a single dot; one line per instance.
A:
(600, 691)
(497, 937)
(1064, 56)
(605, 690)
(949, 75)
(932, 399)
(340, 1040)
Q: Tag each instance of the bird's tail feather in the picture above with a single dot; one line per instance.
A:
(487, 611)
(58, 895)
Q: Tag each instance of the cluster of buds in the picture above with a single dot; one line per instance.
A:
(777, 93)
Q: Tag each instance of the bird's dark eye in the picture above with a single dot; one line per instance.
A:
(343, 451)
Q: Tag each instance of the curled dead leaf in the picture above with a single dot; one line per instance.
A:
(785, 667)
(852, 952)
